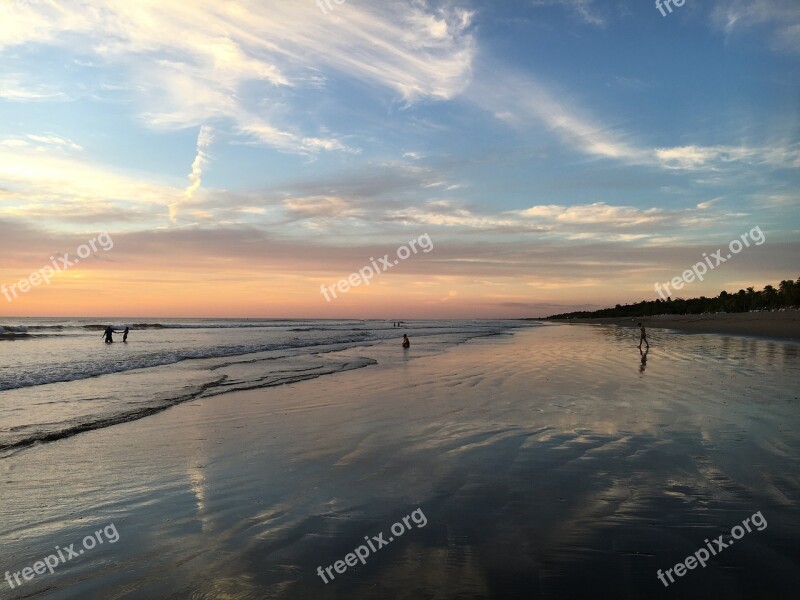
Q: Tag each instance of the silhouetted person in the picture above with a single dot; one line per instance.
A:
(643, 337)
(406, 342)
(125, 335)
(109, 335)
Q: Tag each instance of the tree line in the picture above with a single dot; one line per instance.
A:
(785, 296)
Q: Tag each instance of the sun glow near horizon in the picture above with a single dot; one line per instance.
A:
(242, 155)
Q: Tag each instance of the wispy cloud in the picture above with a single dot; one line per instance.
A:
(520, 101)
(54, 140)
(710, 157)
(586, 10)
(598, 213)
(781, 16)
(13, 88)
(585, 222)
(517, 99)
(204, 139)
(206, 60)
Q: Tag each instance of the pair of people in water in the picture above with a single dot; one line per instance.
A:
(108, 334)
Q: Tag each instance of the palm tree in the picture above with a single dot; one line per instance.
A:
(770, 296)
(786, 291)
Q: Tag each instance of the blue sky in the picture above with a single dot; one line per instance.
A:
(560, 152)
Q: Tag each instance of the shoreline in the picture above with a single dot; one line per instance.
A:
(166, 384)
(771, 325)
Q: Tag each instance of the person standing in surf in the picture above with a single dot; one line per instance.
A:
(109, 335)
(406, 342)
(643, 337)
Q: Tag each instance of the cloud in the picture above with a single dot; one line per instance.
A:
(712, 157)
(13, 143)
(598, 213)
(517, 98)
(708, 203)
(55, 140)
(318, 208)
(448, 214)
(41, 180)
(194, 63)
(584, 9)
(596, 221)
(13, 89)
(204, 139)
(781, 16)
(41, 142)
(520, 100)
(257, 130)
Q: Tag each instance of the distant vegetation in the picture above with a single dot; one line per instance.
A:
(786, 296)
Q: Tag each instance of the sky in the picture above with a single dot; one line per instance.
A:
(245, 155)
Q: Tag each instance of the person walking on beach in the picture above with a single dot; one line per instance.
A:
(109, 335)
(406, 342)
(643, 337)
(125, 335)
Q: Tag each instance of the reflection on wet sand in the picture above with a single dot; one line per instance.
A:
(643, 362)
(546, 467)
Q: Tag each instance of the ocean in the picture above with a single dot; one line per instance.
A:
(58, 378)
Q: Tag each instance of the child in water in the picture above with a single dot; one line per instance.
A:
(406, 342)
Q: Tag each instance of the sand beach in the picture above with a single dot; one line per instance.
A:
(549, 462)
(776, 325)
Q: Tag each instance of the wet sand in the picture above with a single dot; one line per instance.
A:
(548, 464)
(774, 325)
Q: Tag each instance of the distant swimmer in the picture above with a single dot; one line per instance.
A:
(406, 342)
(125, 335)
(643, 337)
(109, 335)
